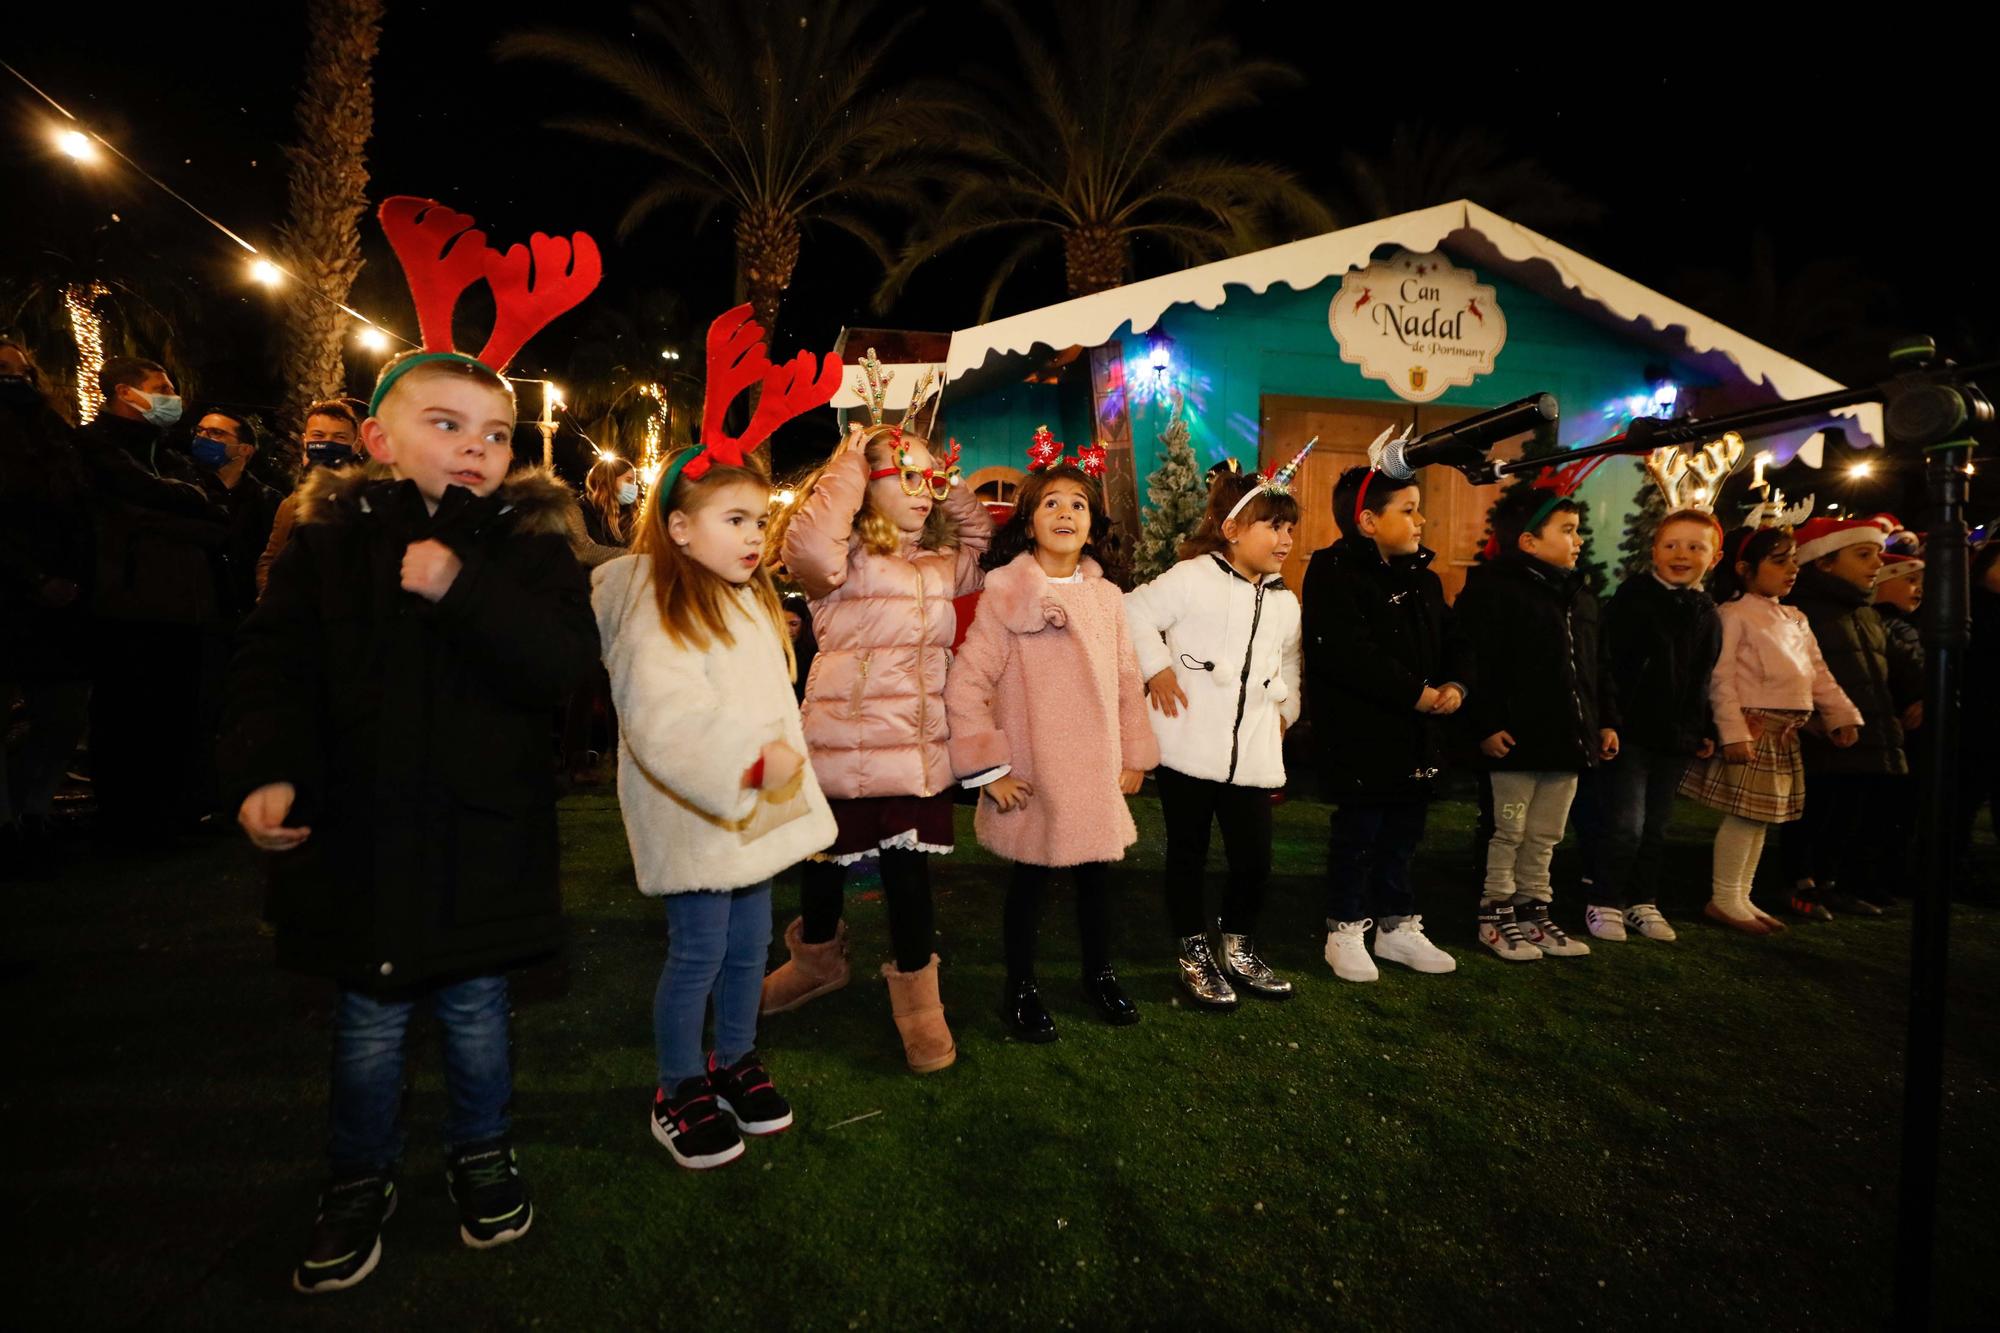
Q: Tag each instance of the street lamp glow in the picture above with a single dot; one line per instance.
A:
(76, 145)
(1861, 469)
(669, 354)
(372, 339)
(265, 273)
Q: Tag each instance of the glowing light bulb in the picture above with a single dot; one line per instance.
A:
(786, 497)
(1861, 469)
(76, 145)
(265, 273)
(372, 339)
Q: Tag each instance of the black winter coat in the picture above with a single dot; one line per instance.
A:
(46, 538)
(158, 535)
(251, 507)
(1660, 645)
(1533, 632)
(1376, 633)
(418, 735)
(1877, 675)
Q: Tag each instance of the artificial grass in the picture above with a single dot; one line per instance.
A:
(1701, 1134)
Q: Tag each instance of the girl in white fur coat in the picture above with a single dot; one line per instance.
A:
(716, 792)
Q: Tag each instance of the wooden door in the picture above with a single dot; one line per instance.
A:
(1345, 429)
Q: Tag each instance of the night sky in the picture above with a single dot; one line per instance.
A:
(1693, 134)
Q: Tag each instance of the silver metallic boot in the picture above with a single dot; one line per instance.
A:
(1200, 977)
(1242, 964)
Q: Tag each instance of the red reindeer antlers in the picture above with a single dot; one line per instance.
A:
(738, 359)
(1565, 479)
(442, 254)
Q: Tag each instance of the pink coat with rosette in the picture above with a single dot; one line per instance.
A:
(874, 706)
(1047, 682)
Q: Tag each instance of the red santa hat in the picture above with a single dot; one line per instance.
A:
(1896, 567)
(1823, 536)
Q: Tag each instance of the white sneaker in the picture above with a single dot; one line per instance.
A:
(1500, 932)
(1607, 923)
(1545, 934)
(1346, 954)
(1407, 944)
(1646, 919)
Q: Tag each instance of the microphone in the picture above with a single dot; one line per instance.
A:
(1463, 444)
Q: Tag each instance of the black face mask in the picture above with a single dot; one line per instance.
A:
(18, 390)
(329, 453)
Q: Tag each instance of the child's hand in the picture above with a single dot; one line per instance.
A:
(1842, 737)
(1449, 697)
(1913, 716)
(1607, 744)
(1164, 693)
(1130, 780)
(1706, 750)
(263, 817)
(429, 568)
(1497, 745)
(857, 441)
(1738, 752)
(1009, 793)
(781, 764)
(1427, 702)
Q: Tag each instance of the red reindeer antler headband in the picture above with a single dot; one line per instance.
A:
(1563, 482)
(737, 360)
(442, 254)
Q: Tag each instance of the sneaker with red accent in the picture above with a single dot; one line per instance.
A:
(699, 1133)
(745, 1091)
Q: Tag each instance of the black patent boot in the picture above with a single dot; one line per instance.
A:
(1026, 1016)
(1102, 989)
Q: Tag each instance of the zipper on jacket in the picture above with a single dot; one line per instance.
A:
(1243, 685)
(923, 637)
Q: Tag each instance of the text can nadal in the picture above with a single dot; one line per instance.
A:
(1418, 324)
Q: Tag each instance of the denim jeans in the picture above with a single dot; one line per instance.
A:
(1622, 810)
(368, 1044)
(1369, 848)
(717, 945)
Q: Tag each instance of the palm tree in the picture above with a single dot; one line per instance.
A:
(328, 188)
(1086, 145)
(1820, 312)
(773, 113)
(1426, 165)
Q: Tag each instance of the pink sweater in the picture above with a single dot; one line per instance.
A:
(1771, 660)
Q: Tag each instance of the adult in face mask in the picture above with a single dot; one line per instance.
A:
(610, 507)
(45, 561)
(156, 596)
(224, 443)
(332, 439)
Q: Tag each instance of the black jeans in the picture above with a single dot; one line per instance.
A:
(1189, 805)
(1369, 847)
(1621, 814)
(1835, 843)
(1022, 916)
(906, 888)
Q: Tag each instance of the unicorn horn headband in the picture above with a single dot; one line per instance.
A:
(1277, 483)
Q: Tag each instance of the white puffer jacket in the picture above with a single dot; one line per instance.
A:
(1234, 646)
(690, 724)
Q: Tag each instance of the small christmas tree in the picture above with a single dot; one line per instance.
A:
(1636, 551)
(1176, 495)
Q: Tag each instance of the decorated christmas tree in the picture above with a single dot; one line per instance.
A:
(1176, 494)
(1636, 551)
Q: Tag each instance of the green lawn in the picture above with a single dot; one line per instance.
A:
(1698, 1135)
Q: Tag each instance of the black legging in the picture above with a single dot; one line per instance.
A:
(1189, 804)
(1022, 917)
(906, 885)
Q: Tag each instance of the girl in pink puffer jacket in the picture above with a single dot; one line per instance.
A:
(882, 541)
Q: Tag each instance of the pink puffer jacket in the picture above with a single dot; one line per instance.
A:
(874, 706)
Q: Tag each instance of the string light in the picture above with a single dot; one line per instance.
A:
(76, 145)
(88, 330)
(372, 339)
(785, 497)
(1860, 469)
(265, 273)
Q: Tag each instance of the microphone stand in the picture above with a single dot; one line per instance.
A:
(1931, 409)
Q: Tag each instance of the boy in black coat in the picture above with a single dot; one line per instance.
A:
(388, 737)
(1383, 663)
(1538, 717)
(1661, 640)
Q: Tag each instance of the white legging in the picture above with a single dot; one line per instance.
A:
(1739, 843)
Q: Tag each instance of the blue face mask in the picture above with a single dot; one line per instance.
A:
(209, 453)
(628, 493)
(162, 409)
(329, 453)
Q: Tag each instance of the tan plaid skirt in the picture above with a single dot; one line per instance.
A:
(1770, 788)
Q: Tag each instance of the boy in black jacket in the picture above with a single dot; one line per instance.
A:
(1661, 640)
(1537, 716)
(388, 737)
(1383, 662)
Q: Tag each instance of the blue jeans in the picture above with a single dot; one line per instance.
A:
(368, 1042)
(1369, 848)
(717, 945)
(1622, 810)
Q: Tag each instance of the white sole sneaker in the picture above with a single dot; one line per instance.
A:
(1507, 949)
(1651, 927)
(1413, 949)
(700, 1163)
(1347, 955)
(1606, 923)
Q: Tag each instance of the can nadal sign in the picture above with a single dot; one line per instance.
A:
(1417, 324)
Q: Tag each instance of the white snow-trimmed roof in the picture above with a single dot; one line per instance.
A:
(1525, 256)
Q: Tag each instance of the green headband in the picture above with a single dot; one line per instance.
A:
(402, 368)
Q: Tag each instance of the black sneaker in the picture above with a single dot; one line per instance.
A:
(346, 1239)
(493, 1205)
(697, 1131)
(745, 1090)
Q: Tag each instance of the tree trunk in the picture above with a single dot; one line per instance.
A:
(321, 241)
(1095, 256)
(767, 250)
